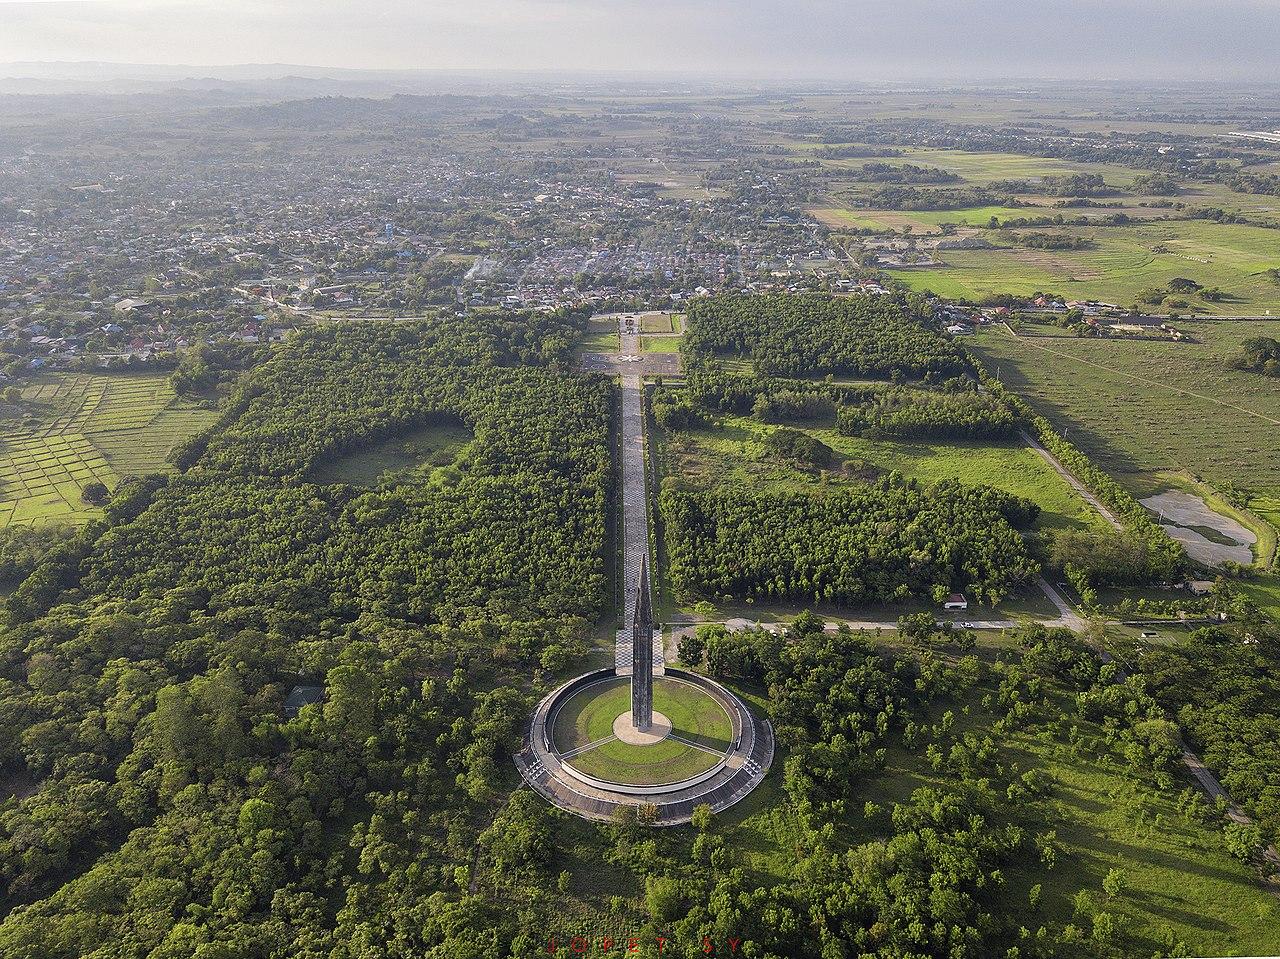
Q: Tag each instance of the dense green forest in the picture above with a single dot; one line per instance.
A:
(884, 542)
(908, 413)
(160, 801)
(803, 335)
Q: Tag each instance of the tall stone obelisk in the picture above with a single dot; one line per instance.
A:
(642, 654)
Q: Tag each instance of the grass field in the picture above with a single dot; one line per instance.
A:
(599, 341)
(76, 428)
(1138, 406)
(695, 717)
(409, 456)
(1179, 878)
(659, 323)
(735, 453)
(1123, 262)
(660, 344)
(983, 168)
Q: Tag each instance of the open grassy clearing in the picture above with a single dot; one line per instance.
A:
(920, 221)
(660, 344)
(983, 168)
(659, 323)
(1124, 261)
(599, 341)
(1138, 406)
(734, 452)
(78, 428)
(406, 457)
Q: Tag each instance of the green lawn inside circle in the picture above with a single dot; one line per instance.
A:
(701, 733)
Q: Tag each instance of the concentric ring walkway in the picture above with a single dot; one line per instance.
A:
(546, 770)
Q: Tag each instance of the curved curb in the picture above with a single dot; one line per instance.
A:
(743, 767)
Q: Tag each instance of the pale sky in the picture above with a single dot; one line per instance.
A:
(804, 39)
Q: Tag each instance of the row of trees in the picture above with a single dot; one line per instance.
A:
(921, 414)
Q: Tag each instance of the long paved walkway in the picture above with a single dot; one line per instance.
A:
(635, 513)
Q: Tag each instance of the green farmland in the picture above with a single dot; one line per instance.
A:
(1139, 406)
(77, 428)
(919, 221)
(1122, 262)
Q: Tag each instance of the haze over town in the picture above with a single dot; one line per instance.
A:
(1069, 39)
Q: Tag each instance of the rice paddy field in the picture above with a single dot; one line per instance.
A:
(1123, 262)
(77, 428)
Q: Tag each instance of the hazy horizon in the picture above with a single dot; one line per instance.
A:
(908, 40)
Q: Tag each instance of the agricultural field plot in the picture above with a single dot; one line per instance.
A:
(930, 221)
(78, 428)
(981, 168)
(1123, 262)
(43, 478)
(984, 168)
(1139, 406)
(919, 221)
(734, 452)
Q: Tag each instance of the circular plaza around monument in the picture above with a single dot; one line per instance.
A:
(592, 733)
(704, 746)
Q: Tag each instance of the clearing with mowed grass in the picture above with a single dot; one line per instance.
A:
(73, 429)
